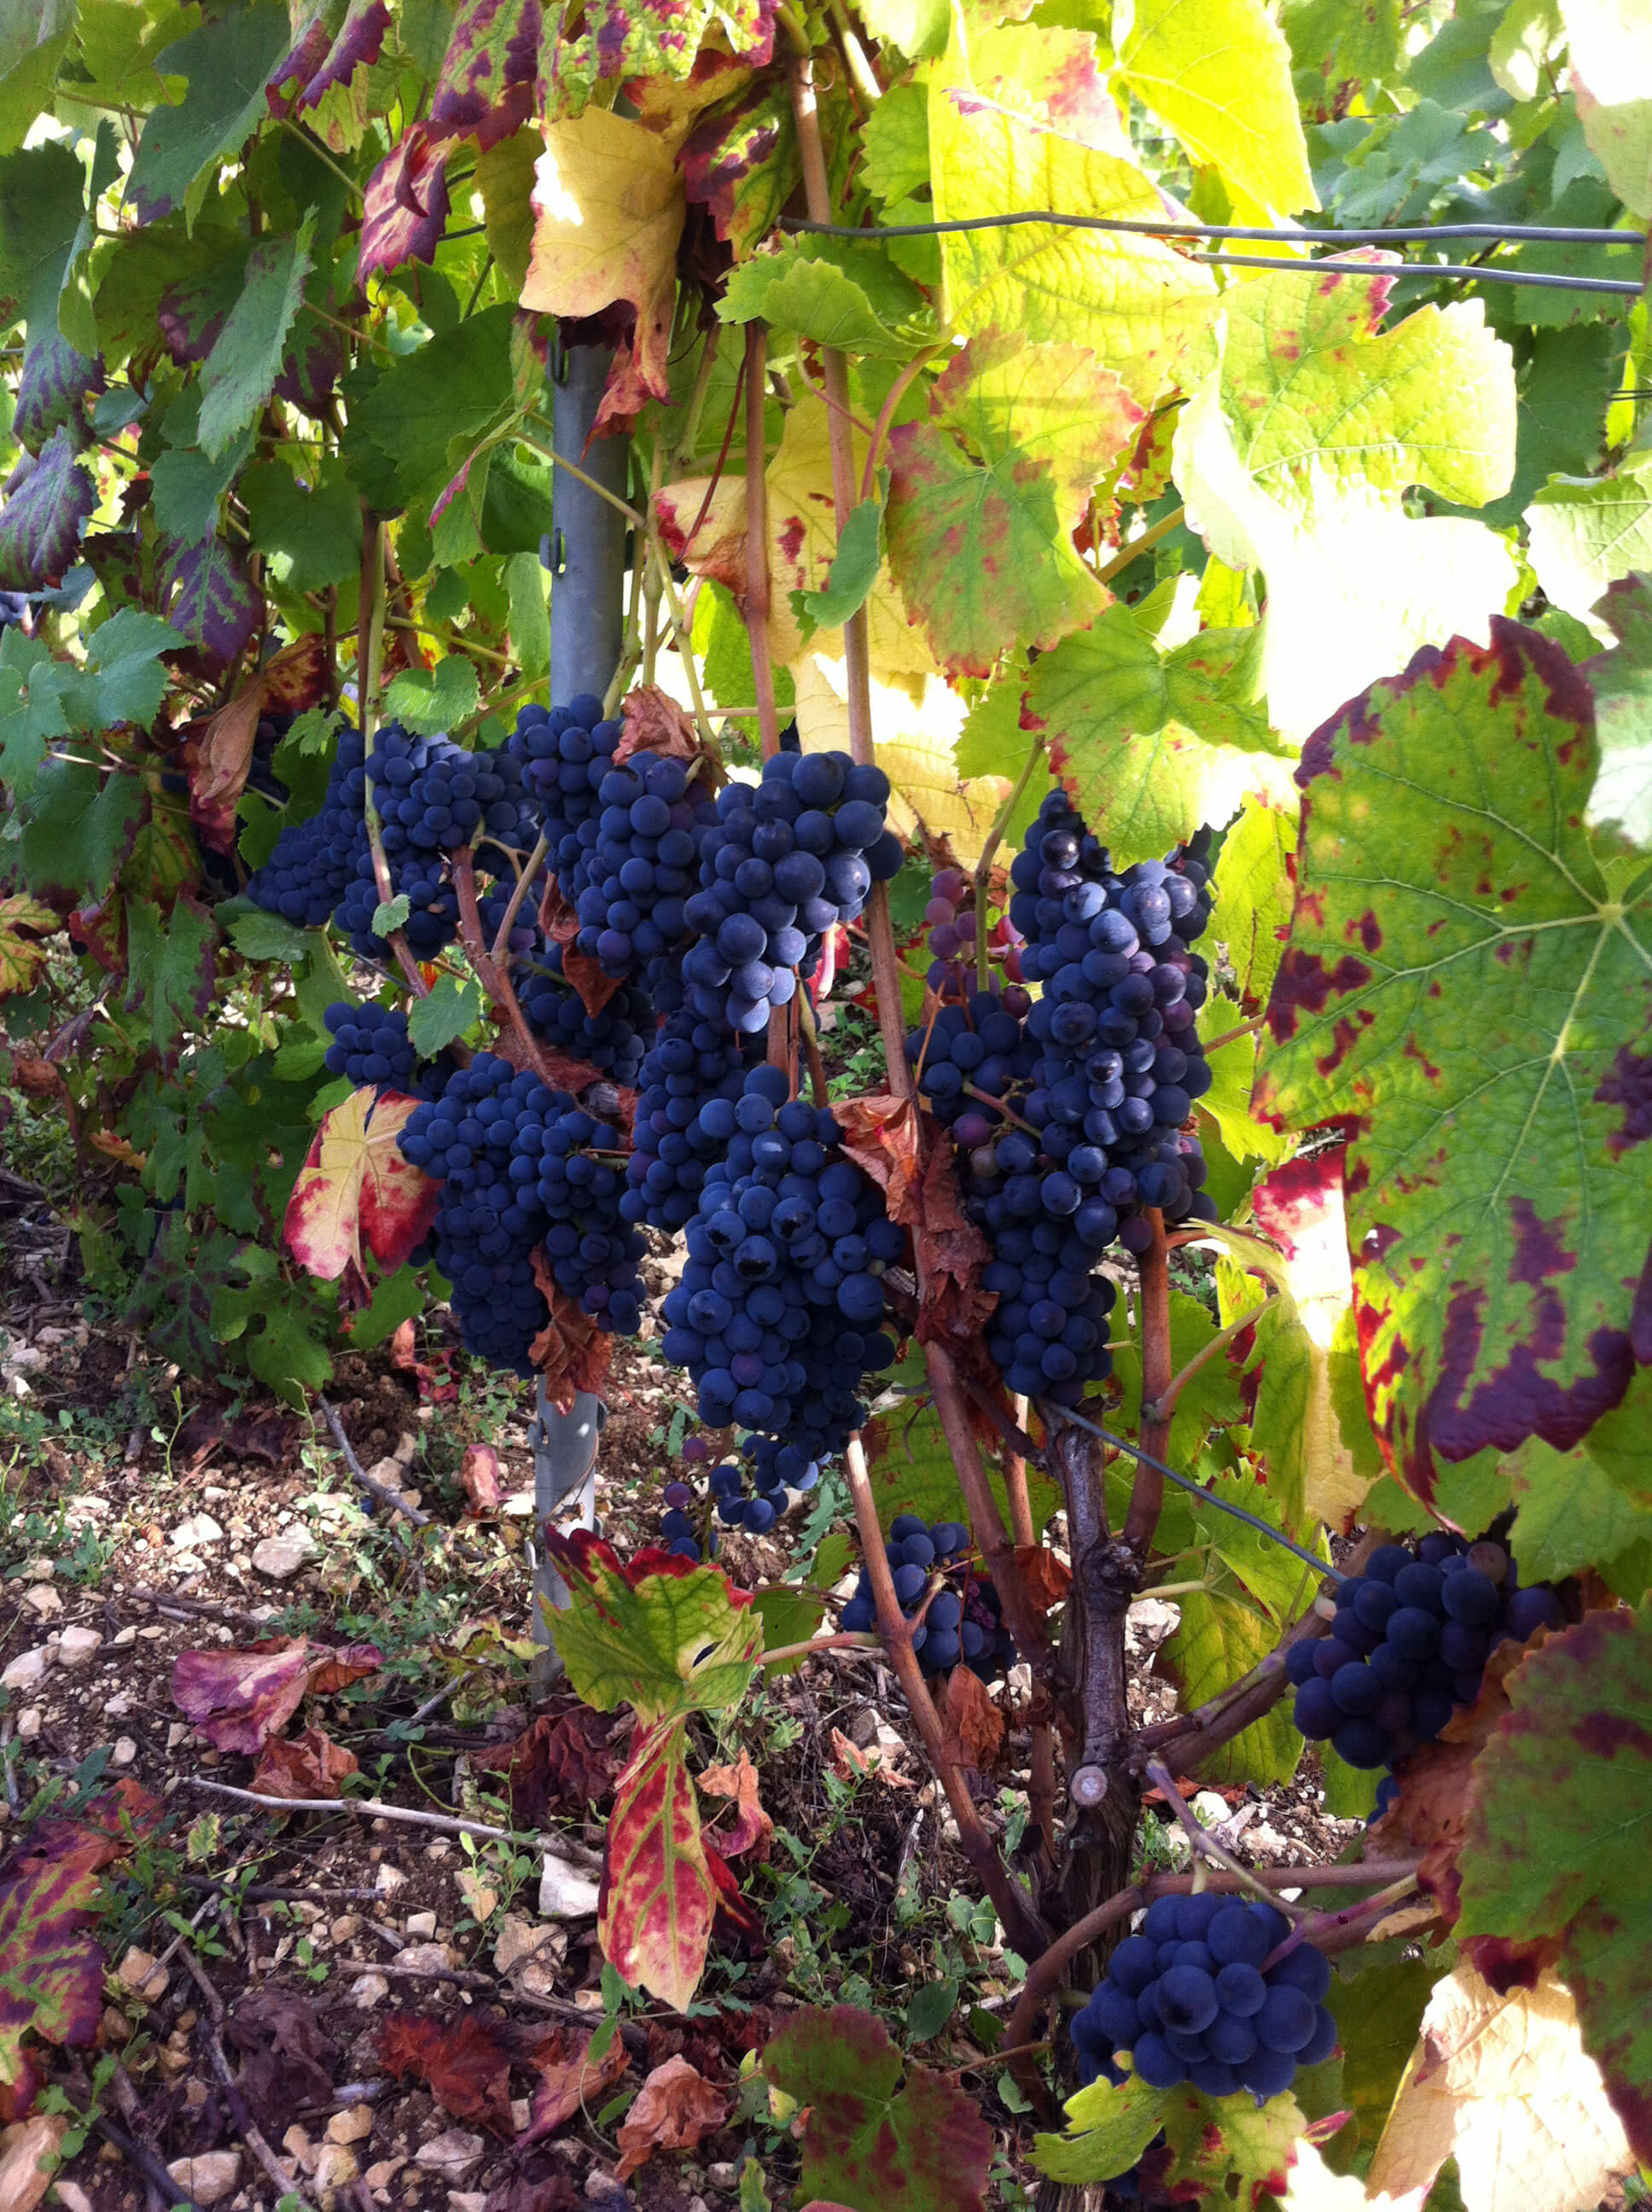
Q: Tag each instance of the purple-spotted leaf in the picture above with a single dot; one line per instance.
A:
(658, 1899)
(192, 309)
(641, 38)
(741, 161)
(41, 518)
(331, 61)
(485, 90)
(881, 2132)
(50, 1968)
(51, 390)
(211, 605)
(1559, 1836)
(1461, 994)
(170, 963)
(659, 1634)
(406, 204)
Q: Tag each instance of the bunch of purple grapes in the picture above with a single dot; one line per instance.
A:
(313, 864)
(964, 1624)
(683, 1518)
(952, 925)
(1409, 1644)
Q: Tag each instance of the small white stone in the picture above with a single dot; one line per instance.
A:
(723, 2173)
(279, 1558)
(117, 1707)
(426, 1958)
(199, 1529)
(124, 1637)
(352, 2125)
(79, 1647)
(124, 1752)
(1210, 1809)
(30, 1721)
(453, 2155)
(466, 2200)
(565, 1893)
(43, 1602)
(71, 2196)
(388, 1879)
(27, 1670)
(421, 1923)
(209, 2178)
(367, 1991)
(176, 1732)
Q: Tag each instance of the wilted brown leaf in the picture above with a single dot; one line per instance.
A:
(849, 1761)
(570, 1352)
(288, 2059)
(484, 1477)
(651, 720)
(465, 2063)
(569, 2080)
(1048, 1578)
(239, 1699)
(752, 1830)
(674, 2108)
(307, 1766)
(564, 1760)
(972, 1724)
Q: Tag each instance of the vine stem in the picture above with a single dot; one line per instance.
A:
(531, 866)
(1145, 543)
(1163, 1405)
(880, 929)
(759, 586)
(1147, 1494)
(1205, 1844)
(1045, 1972)
(489, 974)
(850, 1641)
(369, 652)
(897, 392)
(1022, 1924)
(1041, 1780)
(1232, 1036)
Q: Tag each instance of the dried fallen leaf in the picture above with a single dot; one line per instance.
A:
(569, 2080)
(752, 1830)
(287, 2058)
(674, 2107)
(567, 1760)
(307, 1766)
(1504, 2085)
(483, 1478)
(239, 1699)
(1047, 1576)
(849, 1762)
(465, 2062)
(974, 1725)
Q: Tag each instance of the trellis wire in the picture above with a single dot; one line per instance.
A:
(1321, 1567)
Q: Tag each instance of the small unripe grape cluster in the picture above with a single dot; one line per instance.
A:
(1193, 1998)
(1409, 1643)
(681, 1522)
(964, 1624)
(953, 922)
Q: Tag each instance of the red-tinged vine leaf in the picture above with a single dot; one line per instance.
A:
(1461, 995)
(1058, 406)
(587, 42)
(237, 1700)
(674, 2107)
(50, 1968)
(742, 162)
(736, 1920)
(211, 603)
(972, 1725)
(406, 205)
(978, 551)
(485, 87)
(658, 1897)
(355, 1194)
(566, 1762)
(307, 1766)
(482, 1479)
(570, 2082)
(1223, 2151)
(1559, 1839)
(1504, 2086)
(885, 1135)
(465, 2062)
(663, 1635)
(652, 720)
(752, 1830)
(608, 216)
(42, 516)
(880, 2132)
(171, 965)
(570, 1352)
(1047, 1576)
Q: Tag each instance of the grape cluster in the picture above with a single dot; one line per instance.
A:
(519, 1167)
(778, 1311)
(694, 1063)
(1409, 1643)
(433, 798)
(613, 1041)
(1191, 1997)
(564, 753)
(964, 1625)
(637, 859)
(952, 923)
(314, 863)
(370, 1045)
(677, 1523)
(423, 880)
(776, 1469)
(785, 860)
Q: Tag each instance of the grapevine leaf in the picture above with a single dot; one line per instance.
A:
(452, 392)
(1504, 2085)
(50, 1968)
(1220, 73)
(1110, 2124)
(1252, 897)
(912, 1471)
(658, 1897)
(658, 39)
(1134, 302)
(1379, 2014)
(1223, 1636)
(609, 213)
(21, 958)
(431, 702)
(358, 45)
(801, 289)
(240, 373)
(1149, 745)
(1587, 532)
(41, 520)
(224, 66)
(1570, 1517)
(485, 87)
(880, 2131)
(1558, 1833)
(918, 28)
(742, 162)
(52, 389)
(1218, 2150)
(1353, 587)
(32, 42)
(355, 1194)
(171, 963)
(1445, 870)
(1211, 1397)
(123, 680)
(855, 566)
(213, 606)
(406, 205)
(309, 533)
(1613, 89)
(78, 831)
(186, 483)
(32, 690)
(504, 177)
(662, 1635)
(1058, 404)
(1621, 681)
(526, 582)
(895, 143)
(238, 1700)
(450, 1009)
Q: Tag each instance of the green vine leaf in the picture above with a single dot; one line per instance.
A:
(240, 373)
(1220, 74)
(224, 67)
(32, 690)
(1461, 994)
(432, 701)
(1109, 2125)
(830, 291)
(662, 1636)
